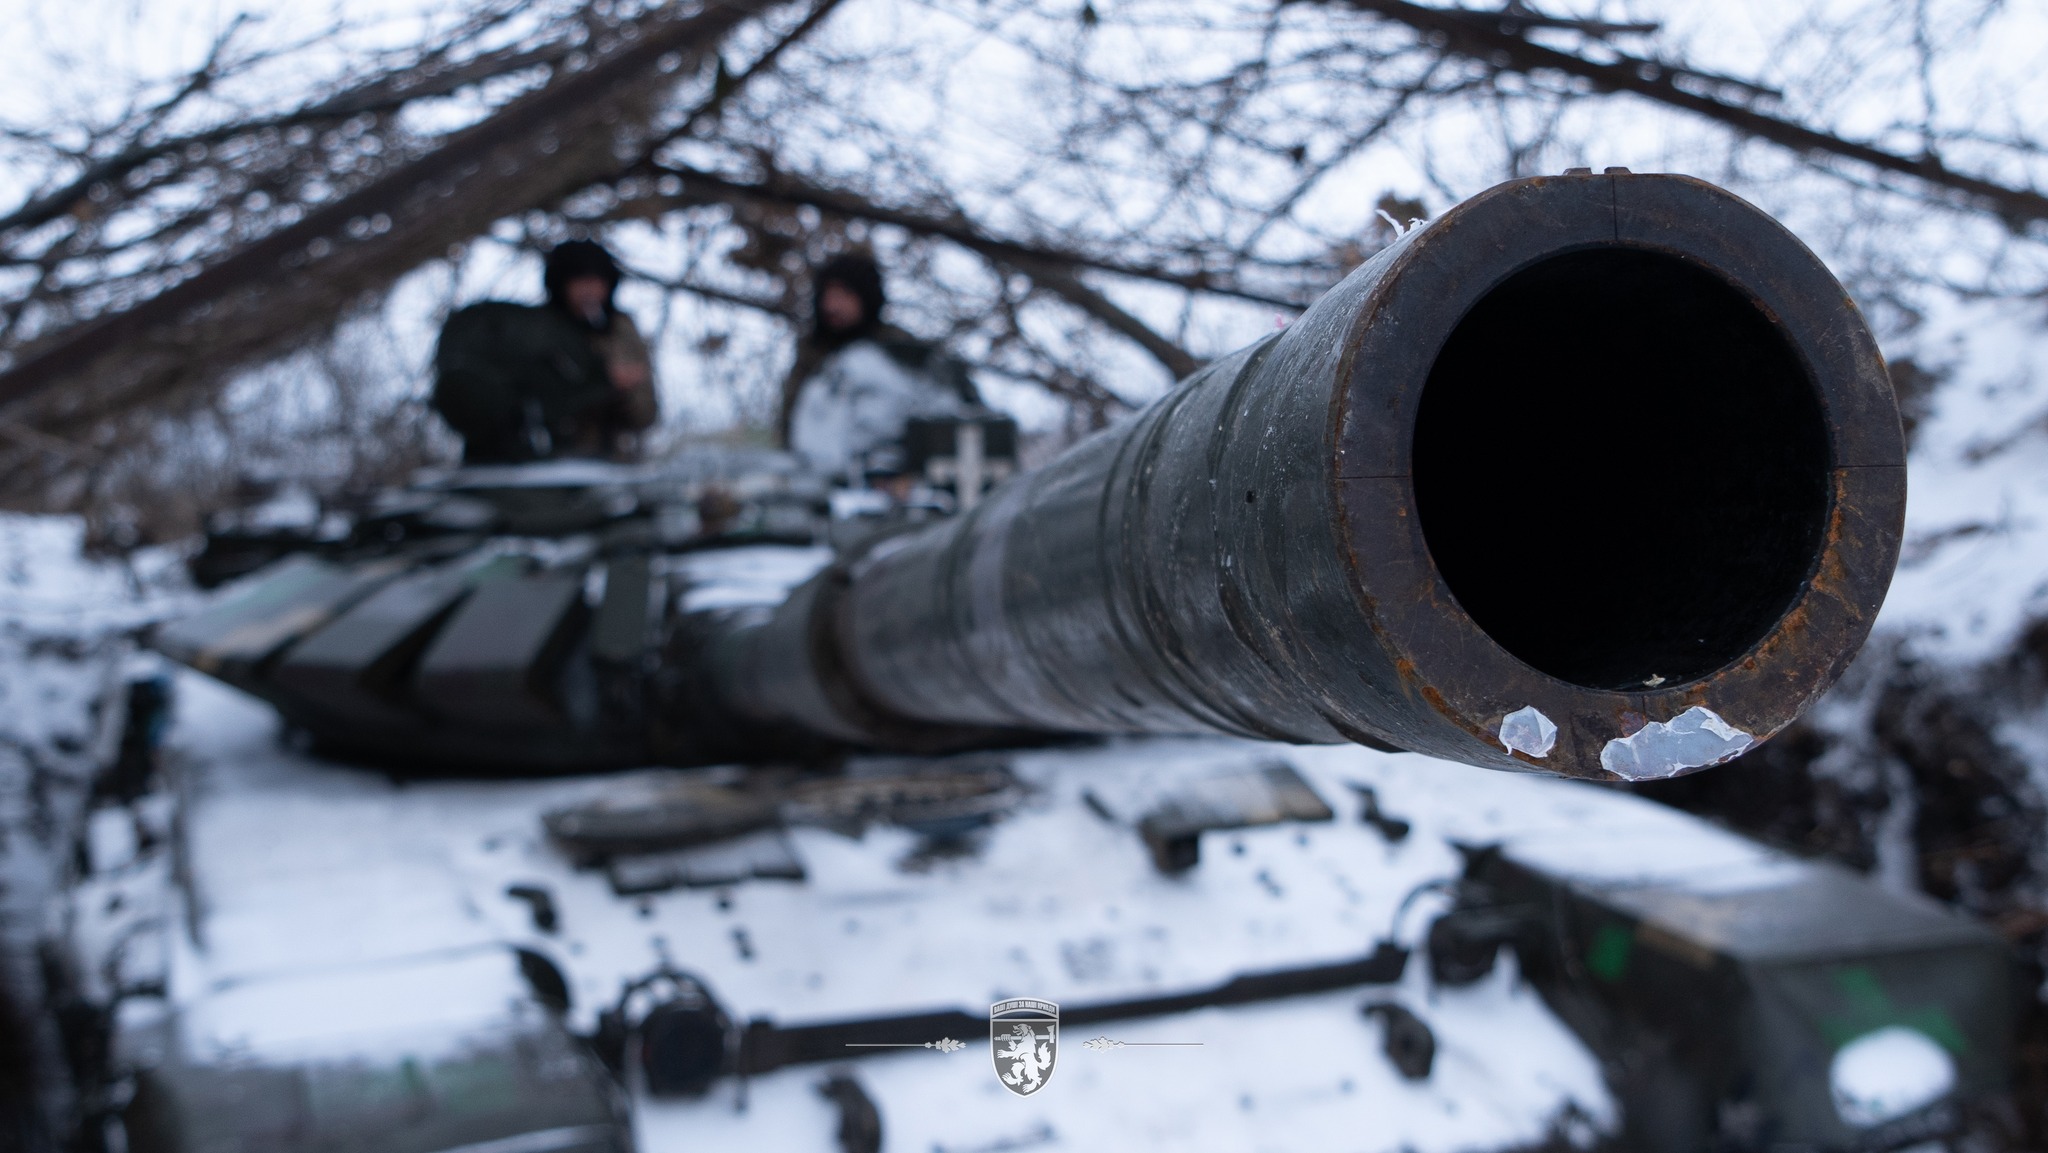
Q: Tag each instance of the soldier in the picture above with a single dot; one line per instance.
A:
(572, 378)
(581, 280)
(858, 381)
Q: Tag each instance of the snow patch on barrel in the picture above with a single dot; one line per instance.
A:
(1527, 730)
(1693, 739)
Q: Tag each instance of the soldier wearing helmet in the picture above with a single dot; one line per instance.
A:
(858, 382)
(571, 378)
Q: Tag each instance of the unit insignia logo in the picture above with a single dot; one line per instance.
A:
(1024, 1038)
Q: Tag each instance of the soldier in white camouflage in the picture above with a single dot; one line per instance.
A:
(857, 381)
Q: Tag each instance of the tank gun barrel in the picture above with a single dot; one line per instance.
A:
(1596, 474)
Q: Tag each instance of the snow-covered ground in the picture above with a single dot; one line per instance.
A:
(62, 652)
(1975, 569)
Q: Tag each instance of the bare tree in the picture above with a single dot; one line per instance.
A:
(248, 239)
(1163, 179)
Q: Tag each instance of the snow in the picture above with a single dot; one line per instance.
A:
(1693, 739)
(310, 872)
(1887, 1074)
(63, 620)
(566, 473)
(1977, 516)
(858, 403)
(430, 1010)
(1579, 832)
(302, 867)
(1527, 730)
(48, 587)
(746, 577)
(1290, 1075)
(294, 506)
(1973, 577)
(298, 865)
(110, 839)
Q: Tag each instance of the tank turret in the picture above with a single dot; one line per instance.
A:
(1598, 475)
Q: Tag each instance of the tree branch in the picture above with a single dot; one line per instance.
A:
(784, 189)
(1489, 39)
(273, 292)
(1060, 280)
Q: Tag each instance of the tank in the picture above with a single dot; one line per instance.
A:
(700, 802)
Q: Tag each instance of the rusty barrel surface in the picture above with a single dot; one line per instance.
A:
(1600, 475)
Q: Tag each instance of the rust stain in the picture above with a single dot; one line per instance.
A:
(1436, 701)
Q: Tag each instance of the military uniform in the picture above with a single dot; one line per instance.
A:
(629, 410)
(849, 416)
(852, 391)
(520, 382)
